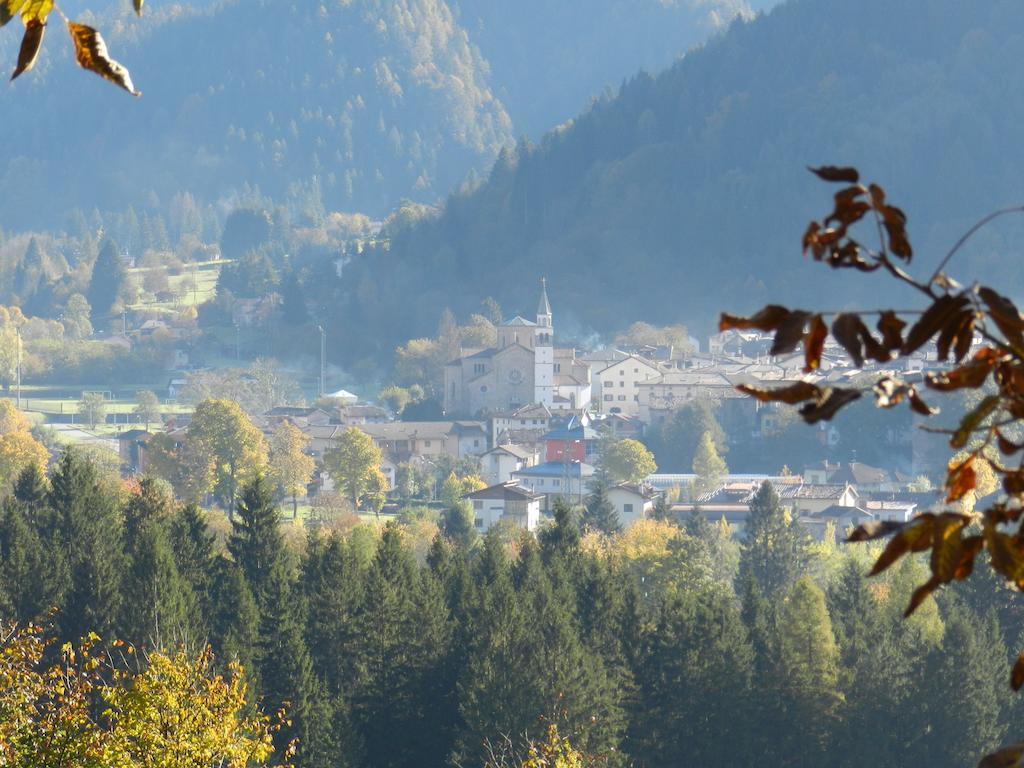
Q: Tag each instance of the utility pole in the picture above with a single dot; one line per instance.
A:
(18, 373)
(124, 322)
(237, 334)
(323, 360)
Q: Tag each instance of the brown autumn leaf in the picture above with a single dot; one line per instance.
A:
(1007, 757)
(891, 328)
(961, 480)
(874, 529)
(970, 376)
(915, 536)
(932, 321)
(1005, 315)
(31, 44)
(91, 53)
(1013, 482)
(1005, 555)
(790, 333)
(1006, 446)
(767, 319)
(814, 344)
(920, 595)
(918, 405)
(836, 173)
(828, 404)
(956, 325)
(849, 330)
(791, 395)
(137, 4)
(1017, 677)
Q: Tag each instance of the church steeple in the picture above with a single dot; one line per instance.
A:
(544, 352)
(544, 306)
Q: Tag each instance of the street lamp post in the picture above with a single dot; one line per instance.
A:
(323, 359)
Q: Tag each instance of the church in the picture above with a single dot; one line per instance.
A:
(524, 368)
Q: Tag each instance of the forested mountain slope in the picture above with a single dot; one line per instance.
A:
(548, 59)
(378, 99)
(687, 192)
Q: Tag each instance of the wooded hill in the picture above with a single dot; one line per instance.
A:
(379, 100)
(687, 193)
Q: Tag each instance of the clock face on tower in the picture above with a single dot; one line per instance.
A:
(515, 376)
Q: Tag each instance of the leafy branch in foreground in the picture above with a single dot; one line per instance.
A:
(956, 318)
(90, 48)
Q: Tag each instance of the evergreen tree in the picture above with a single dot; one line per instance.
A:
(457, 525)
(89, 530)
(158, 608)
(234, 618)
(30, 490)
(29, 272)
(193, 547)
(809, 661)
(775, 549)
(695, 682)
(965, 690)
(256, 542)
(287, 678)
(32, 573)
(599, 513)
(662, 510)
(108, 282)
(562, 537)
(152, 505)
(403, 636)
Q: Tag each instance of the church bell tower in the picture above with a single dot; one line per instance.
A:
(544, 351)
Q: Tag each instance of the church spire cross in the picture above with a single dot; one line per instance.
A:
(544, 307)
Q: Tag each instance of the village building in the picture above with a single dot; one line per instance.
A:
(505, 503)
(616, 386)
(498, 464)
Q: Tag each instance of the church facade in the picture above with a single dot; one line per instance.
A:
(523, 368)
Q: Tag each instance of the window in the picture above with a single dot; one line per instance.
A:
(636, 398)
(558, 367)
(627, 509)
(622, 384)
(609, 383)
(478, 368)
(479, 522)
(636, 370)
(483, 387)
(556, 483)
(476, 443)
(609, 398)
(622, 398)
(426, 443)
(478, 503)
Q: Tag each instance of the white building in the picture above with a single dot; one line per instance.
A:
(631, 502)
(505, 502)
(616, 386)
(556, 479)
(498, 464)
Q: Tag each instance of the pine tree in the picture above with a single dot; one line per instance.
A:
(152, 505)
(234, 618)
(256, 542)
(562, 537)
(32, 574)
(599, 513)
(30, 270)
(965, 690)
(457, 525)
(293, 301)
(775, 550)
(287, 679)
(108, 282)
(193, 547)
(90, 533)
(159, 608)
(695, 682)
(403, 636)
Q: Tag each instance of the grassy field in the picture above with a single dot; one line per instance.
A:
(203, 275)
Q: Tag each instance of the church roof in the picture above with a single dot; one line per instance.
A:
(519, 320)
